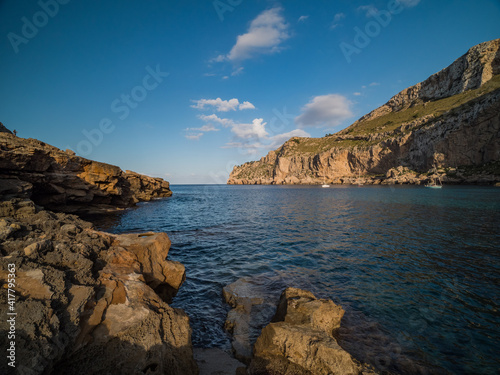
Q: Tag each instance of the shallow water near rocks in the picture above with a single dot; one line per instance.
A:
(417, 270)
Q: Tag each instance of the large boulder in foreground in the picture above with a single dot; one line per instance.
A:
(86, 301)
(300, 339)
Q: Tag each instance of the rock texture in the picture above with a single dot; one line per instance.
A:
(87, 301)
(252, 308)
(61, 181)
(300, 339)
(447, 125)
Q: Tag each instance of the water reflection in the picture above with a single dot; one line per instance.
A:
(417, 270)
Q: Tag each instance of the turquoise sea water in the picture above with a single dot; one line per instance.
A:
(416, 269)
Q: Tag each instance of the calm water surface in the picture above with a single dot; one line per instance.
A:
(417, 269)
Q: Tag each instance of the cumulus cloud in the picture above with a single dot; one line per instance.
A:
(265, 35)
(254, 130)
(252, 138)
(222, 105)
(214, 118)
(246, 105)
(357, 94)
(325, 110)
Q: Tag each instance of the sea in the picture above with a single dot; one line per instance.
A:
(417, 270)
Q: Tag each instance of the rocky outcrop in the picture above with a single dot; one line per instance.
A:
(61, 181)
(300, 339)
(451, 121)
(89, 302)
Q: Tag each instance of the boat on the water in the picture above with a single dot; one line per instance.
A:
(432, 184)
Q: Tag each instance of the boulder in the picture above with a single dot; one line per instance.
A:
(84, 300)
(300, 339)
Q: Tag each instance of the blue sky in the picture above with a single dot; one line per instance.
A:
(186, 89)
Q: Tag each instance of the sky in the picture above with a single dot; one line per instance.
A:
(185, 90)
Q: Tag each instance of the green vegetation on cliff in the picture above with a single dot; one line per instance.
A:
(358, 134)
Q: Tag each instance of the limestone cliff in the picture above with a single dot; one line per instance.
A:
(446, 126)
(61, 181)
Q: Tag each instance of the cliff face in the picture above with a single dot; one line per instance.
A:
(61, 181)
(447, 126)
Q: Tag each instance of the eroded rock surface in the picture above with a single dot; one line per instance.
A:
(86, 300)
(300, 339)
(450, 121)
(61, 181)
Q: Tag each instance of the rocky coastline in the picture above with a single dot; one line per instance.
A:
(88, 302)
(445, 127)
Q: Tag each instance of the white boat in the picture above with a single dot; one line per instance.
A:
(433, 184)
(325, 185)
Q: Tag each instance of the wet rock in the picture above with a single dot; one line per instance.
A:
(253, 307)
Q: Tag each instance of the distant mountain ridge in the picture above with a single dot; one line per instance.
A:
(447, 126)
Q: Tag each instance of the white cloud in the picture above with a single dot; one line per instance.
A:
(223, 121)
(374, 84)
(303, 18)
(252, 146)
(336, 19)
(369, 10)
(204, 128)
(357, 94)
(219, 58)
(254, 130)
(194, 137)
(325, 110)
(279, 139)
(222, 105)
(237, 71)
(264, 36)
(246, 105)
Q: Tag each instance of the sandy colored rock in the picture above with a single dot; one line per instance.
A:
(402, 151)
(300, 339)
(151, 251)
(83, 303)
(69, 183)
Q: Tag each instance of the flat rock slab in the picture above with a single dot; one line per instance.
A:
(213, 361)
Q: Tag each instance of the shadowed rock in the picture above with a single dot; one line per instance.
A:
(84, 300)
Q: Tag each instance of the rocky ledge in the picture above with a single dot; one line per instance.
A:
(61, 181)
(89, 302)
(299, 339)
